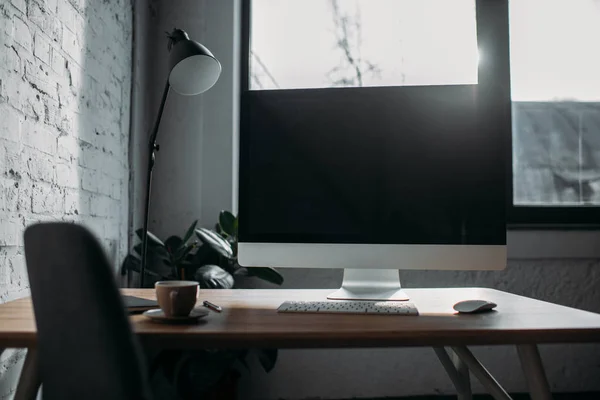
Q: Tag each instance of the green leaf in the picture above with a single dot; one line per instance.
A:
(227, 222)
(151, 250)
(133, 263)
(267, 358)
(127, 264)
(220, 231)
(173, 244)
(214, 277)
(139, 232)
(160, 251)
(234, 247)
(152, 239)
(190, 232)
(215, 241)
(266, 273)
(202, 256)
(154, 253)
(181, 254)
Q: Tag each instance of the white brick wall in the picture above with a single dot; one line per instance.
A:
(65, 72)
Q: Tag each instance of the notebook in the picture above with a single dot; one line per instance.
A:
(137, 304)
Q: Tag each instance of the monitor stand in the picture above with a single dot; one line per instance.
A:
(370, 284)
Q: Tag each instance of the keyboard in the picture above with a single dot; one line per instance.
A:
(350, 307)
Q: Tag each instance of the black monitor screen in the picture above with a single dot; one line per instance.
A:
(381, 165)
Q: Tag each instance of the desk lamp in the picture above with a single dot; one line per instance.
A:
(192, 70)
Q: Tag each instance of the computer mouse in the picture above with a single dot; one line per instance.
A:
(474, 306)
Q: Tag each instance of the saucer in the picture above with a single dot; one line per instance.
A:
(159, 316)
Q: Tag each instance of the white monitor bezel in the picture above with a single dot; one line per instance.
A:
(376, 256)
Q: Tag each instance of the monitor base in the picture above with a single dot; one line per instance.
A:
(370, 284)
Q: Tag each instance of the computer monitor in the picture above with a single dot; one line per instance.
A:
(378, 179)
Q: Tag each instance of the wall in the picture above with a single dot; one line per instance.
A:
(192, 175)
(142, 106)
(65, 77)
(336, 374)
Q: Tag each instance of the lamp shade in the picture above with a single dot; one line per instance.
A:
(193, 67)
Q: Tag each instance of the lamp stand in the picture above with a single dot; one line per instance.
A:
(153, 148)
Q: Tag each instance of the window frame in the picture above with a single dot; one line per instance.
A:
(492, 33)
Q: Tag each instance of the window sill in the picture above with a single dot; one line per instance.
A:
(552, 244)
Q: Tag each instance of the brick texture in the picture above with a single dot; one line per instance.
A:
(65, 76)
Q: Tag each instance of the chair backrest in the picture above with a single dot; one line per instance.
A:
(86, 349)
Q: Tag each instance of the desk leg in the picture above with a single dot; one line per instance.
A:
(457, 371)
(534, 372)
(29, 381)
(482, 374)
(463, 371)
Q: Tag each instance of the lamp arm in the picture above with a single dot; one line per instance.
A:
(153, 148)
(159, 116)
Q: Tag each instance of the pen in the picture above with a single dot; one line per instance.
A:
(212, 306)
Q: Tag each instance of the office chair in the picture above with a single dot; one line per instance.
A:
(86, 349)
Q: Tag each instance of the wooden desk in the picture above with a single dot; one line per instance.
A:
(249, 319)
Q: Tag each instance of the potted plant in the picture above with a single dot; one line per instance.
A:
(209, 257)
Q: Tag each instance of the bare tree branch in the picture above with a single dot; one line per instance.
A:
(256, 80)
(348, 31)
(264, 68)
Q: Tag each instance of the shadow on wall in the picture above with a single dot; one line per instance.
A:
(99, 96)
(65, 68)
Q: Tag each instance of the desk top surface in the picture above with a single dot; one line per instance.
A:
(250, 319)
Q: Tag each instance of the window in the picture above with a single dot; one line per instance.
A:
(555, 86)
(555, 77)
(354, 43)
